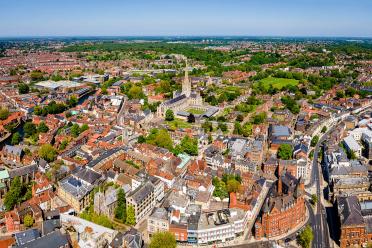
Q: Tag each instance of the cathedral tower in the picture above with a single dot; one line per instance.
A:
(186, 85)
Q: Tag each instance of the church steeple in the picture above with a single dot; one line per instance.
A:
(186, 85)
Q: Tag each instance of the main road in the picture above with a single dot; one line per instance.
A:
(319, 219)
(319, 223)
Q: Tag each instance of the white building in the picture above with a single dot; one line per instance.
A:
(352, 145)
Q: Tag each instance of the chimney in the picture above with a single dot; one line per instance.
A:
(280, 190)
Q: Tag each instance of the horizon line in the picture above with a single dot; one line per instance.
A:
(185, 36)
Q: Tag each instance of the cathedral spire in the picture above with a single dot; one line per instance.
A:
(186, 85)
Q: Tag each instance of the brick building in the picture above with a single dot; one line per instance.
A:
(284, 209)
(355, 221)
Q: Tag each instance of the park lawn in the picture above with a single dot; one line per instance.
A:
(229, 89)
(178, 123)
(278, 83)
(195, 111)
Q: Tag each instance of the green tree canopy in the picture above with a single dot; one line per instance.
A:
(16, 138)
(188, 145)
(314, 198)
(131, 216)
(169, 115)
(324, 129)
(29, 129)
(47, 152)
(160, 138)
(135, 92)
(191, 118)
(285, 151)
(259, 118)
(36, 75)
(4, 113)
(121, 210)
(28, 220)
(43, 128)
(163, 240)
(75, 130)
(13, 196)
(23, 88)
(305, 237)
(232, 185)
(314, 140)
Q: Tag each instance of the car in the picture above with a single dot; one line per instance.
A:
(287, 240)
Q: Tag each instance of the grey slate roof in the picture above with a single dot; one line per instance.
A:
(26, 236)
(278, 131)
(50, 226)
(55, 239)
(349, 211)
(87, 175)
(142, 192)
(15, 150)
(24, 170)
(133, 238)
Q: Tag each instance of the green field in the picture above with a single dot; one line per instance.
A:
(178, 123)
(278, 83)
(195, 111)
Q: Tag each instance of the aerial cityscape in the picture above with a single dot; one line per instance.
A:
(185, 124)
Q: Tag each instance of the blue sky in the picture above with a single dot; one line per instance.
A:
(186, 17)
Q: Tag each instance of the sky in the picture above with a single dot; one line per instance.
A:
(347, 18)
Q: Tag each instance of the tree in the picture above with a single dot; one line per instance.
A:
(36, 75)
(188, 145)
(63, 145)
(160, 138)
(191, 118)
(141, 139)
(4, 113)
(16, 138)
(75, 130)
(314, 140)
(291, 104)
(340, 94)
(232, 185)
(68, 114)
(163, 240)
(285, 151)
(23, 88)
(29, 129)
(72, 101)
(324, 129)
(28, 220)
(314, 199)
(259, 118)
(351, 154)
(237, 128)
(135, 92)
(305, 237)
(121, 210)
(239, 118)
(219, 188)
(42, 128)
(47, 152)
(247, 129)
(131, 216)
(169, 115)
(13, 196)
(84, 127)
(207, 126)
(222, 126)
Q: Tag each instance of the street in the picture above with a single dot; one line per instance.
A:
(318, 220)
